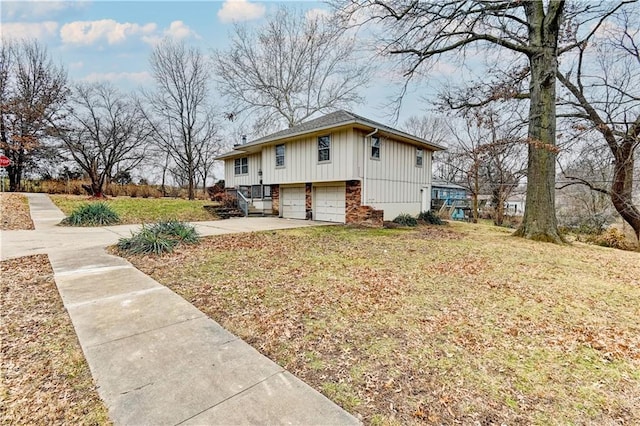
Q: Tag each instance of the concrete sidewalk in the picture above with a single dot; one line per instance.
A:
(156, 358)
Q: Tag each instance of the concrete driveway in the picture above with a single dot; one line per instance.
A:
(48, 236)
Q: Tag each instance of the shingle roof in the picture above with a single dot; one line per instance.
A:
(334, 119)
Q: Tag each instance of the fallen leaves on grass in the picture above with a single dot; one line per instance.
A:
(459, 326)
(14, 210)
(45, 379)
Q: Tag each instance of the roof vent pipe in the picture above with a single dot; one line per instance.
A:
(244, 139)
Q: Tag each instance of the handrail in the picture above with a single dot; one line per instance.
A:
(243, 203)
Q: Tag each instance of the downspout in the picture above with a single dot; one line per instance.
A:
(364, 168)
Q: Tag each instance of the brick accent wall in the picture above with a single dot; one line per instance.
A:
(307, 200)
(275, 199)
(357, 213)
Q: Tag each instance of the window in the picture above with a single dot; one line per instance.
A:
(241, 166)
(280, 155)
(256, 191)
(419, 157)
(324, 148)
(375, 147)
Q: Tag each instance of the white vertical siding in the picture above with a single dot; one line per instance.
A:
(252, 178)
(394, 182)
(301, 160)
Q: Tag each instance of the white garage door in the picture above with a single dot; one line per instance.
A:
(330, 203)
(293, 204)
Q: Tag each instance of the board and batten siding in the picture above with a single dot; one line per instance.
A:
(301, 160)
(251, 178)
(394, 183)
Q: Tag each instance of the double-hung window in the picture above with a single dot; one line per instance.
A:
(375, 147)
(280, 155)
(419, 157)
(324, 148)
(241, 166)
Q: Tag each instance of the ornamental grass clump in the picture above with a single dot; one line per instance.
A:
(92, 214)
(430, 218)
(161, 237)
(405, 219)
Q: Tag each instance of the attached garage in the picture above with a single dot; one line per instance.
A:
(292, 200)
(329, 203)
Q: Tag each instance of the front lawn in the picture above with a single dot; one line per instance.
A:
(142, 210)
(45, 377)
(461, 324)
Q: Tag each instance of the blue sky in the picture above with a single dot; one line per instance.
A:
(111, 40)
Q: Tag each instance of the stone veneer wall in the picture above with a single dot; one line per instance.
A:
(275, 199)
(357, 213)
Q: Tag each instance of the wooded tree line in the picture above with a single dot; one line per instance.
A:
(567, 72)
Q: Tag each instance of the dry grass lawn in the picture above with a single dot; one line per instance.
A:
(45, 378)
(461, 324)
(14, 210)
(142, 210)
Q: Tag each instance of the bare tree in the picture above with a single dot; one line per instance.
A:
(422, 32)
(32, 92)
(104, 132)
(602, 96)
(290, 69)
(581, 208)
(180, 112)
(434, 129)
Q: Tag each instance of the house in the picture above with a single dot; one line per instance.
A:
(340, 167)
(450, 200)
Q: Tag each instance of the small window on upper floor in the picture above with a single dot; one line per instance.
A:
(375, 147)
(241, 166)
(324, 148)
(280, 150)
(419, 157)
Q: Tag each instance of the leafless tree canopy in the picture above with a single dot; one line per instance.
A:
(104, 130)
(32, 91)
(421, 33)
(601, 96)
(290, 69)
(180, 110)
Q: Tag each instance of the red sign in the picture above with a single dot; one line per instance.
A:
(4, 161)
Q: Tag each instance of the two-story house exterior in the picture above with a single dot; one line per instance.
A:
(340, 167)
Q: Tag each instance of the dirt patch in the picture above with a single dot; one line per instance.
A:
(14, 210)
(45, 378)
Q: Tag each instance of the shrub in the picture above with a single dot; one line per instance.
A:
(614, 238)
(159, 238)
(92, 214)
(225, 200)
(405, 219)
(430, 218)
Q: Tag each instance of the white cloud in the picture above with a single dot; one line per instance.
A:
(76, 65)
(178, 30)
(90, 32)
(19, 30)
(240, 10)
(133, 77)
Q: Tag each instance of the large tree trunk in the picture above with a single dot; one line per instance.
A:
(539, 221)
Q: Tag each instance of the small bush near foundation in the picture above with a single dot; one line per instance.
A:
(93, 214)
(405, 219)
(159, 238)
(430, 218)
